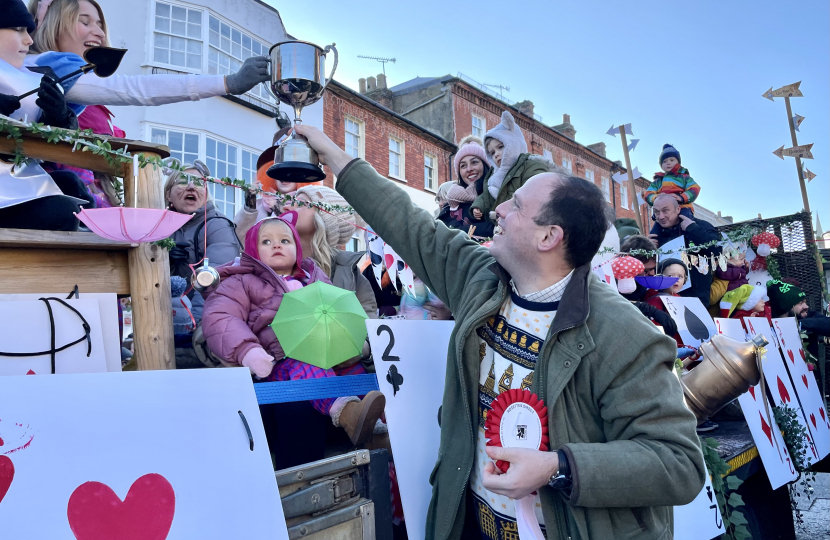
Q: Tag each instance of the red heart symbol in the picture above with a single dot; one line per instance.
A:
(813, 419)
(804, 379)
(782, 390)
(30, 372)
(96, 513)
(6, 475)
(752, 391)
(803, 356)
(821, 412)
(792, 357)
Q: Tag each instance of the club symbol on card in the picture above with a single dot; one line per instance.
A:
(394, 378)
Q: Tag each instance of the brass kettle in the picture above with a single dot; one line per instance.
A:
(727, 370)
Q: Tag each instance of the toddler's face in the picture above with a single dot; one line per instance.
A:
(668, 164)
(759, 307)
(14, 45)
(276, 247)
(495, 148)
(675, 270)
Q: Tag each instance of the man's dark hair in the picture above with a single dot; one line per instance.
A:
(637, 242)
(578, 206)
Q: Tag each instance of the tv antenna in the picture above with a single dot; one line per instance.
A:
(379, 59)
(500, 87)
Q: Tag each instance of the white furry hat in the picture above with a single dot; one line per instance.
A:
(510, 135)
(758, 293)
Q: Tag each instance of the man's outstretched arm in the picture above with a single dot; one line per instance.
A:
(444, 259)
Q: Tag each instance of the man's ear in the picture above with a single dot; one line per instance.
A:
(554, 236)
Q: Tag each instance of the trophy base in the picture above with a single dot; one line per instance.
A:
(295, 171)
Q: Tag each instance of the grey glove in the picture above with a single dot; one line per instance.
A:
(253, 71)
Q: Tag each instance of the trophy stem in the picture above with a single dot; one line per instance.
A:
(297, 121)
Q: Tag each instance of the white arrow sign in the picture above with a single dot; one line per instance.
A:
(779, 152)
(797, 119)
(768, 94)
(791, 90)
(802, 151)
(621, 177)
(633, 144)
(809, 175)
(614, 130)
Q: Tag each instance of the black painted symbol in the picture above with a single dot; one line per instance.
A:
(521, 433)
(714, 506)
(394, 378)
(386, 357)
(695, 326)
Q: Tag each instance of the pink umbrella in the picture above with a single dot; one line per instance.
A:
(133, 225)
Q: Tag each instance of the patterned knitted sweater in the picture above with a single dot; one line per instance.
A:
(678, 182)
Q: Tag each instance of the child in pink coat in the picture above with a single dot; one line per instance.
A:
(238, 315)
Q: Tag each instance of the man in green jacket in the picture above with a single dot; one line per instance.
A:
(623, 445)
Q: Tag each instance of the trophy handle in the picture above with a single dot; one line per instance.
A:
(334, 68)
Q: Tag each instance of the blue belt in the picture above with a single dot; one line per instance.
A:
(309, 389)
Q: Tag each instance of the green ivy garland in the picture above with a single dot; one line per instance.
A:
(795, 437)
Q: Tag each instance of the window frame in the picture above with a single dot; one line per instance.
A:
(401, 160)
(606, 188)
(434, 169)
(547, 154)
(590, 178)
(483, 127)
(569, 166)
(151, 60)
(361, 137)
(624, 196)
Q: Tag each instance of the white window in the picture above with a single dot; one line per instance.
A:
(396, 157)
(566, 163)
(589, 176)
(249, 166)
(479, 126)
(623, 196)
(177, 36)
(222, 161)
(229, 47)
(606, 188)
(183, 146)
(354, 137)
(547, 154)
(430, 172)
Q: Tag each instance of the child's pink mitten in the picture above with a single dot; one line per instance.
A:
(259, 362)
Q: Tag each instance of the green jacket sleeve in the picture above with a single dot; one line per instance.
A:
(484, 202)
(650, 434)
(445, 260)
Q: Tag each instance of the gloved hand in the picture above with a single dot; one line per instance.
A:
(253, 71)
(259, 362)
(8, 104)
(55, 110)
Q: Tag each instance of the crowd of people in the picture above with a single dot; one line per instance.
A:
(605, 371)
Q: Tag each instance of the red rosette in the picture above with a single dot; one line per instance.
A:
(492, 426)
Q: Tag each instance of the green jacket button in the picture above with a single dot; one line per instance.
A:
(567, 363)
(580, 346)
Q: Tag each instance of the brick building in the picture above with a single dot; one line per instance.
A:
(454, 107)
(408, 154)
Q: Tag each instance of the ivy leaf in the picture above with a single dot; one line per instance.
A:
(733, 482)
(737, 518)
(735, 500)
(741, 533)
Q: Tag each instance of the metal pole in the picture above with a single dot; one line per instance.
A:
(632, 196)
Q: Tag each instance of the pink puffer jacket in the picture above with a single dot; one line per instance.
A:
(238, 314)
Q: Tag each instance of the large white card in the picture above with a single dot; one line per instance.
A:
(148, 455)
(762, 425)
(107, 307)
(694, 324)
(411, 360)
(27, 329)
(700, 519)
(809, 395)
(778, 379)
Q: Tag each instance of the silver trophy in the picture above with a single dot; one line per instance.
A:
(298, 79)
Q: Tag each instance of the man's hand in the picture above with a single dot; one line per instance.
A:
(653, 238)
(329, 153)
(477, 213)
(529, 470)
(685, 222)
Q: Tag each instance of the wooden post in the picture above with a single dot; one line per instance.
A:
(149, 278)
(632, 195)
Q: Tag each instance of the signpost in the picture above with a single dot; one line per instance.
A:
(632, 192)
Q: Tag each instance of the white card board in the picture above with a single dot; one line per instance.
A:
(694, 324)
(762, 426)
(412, 411)
(778, 378)
(171, 443)
(27, 329)
(107, 307)
(806, 388)
(673, 250)
(700, 519)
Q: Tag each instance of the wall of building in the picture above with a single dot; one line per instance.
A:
(436, 114)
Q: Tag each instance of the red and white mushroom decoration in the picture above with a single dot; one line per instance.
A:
(625, 270)
(764, 243)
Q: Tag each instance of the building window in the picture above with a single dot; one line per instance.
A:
(396, 156)
(547, 154)
(606, 188)
(177, 37)
(249, 160)
(228, 48)
(589, 176)
(430, 172)
(479, 126)
(222, 161)
(623, 196)
(183, 146)
(566, 163)
(354, 137)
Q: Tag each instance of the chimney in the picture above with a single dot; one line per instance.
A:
(371, 84)
(599, 148)
(525, 107)
(566, 128)
(362, 85)
(377, 91)
(381, 81)
(719, 214)
(566, 118)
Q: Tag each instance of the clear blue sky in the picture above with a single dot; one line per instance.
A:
(689, 73)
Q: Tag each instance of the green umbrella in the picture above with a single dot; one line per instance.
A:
(321, 325)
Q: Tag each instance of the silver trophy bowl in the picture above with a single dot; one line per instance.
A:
(298, 79)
